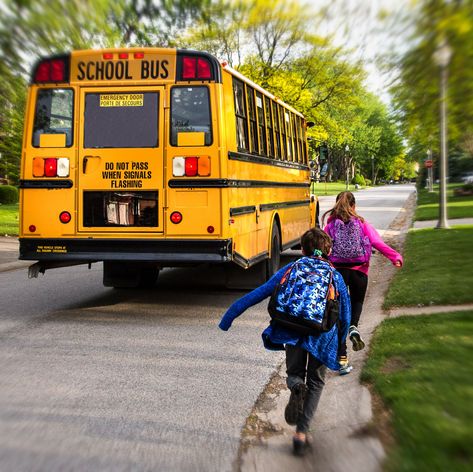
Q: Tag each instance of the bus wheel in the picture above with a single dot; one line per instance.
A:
(272, 264)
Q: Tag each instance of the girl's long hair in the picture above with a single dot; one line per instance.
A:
(344, 208)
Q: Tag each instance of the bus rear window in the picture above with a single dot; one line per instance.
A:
(53, 114)
(121, 120)
(190, 113)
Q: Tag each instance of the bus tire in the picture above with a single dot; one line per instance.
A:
(273, 262)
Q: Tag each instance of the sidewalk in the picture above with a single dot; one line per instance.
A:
(433, 223)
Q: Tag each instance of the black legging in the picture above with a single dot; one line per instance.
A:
(357, 282)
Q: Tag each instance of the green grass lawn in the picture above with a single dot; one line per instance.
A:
(330, 188)
(457, 207)
(9, 219)
(422, 366)
(438, 269)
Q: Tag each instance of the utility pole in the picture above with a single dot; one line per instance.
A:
(442, 59)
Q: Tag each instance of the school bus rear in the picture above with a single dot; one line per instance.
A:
(111, 140)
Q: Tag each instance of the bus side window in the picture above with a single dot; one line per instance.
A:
(240, 112)
(53, 114)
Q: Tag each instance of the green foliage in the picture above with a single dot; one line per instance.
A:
(9, 219)
(359, 180)
(437, 269)
(416, 92)
(421, 367)
(457, 206)
(8, 194)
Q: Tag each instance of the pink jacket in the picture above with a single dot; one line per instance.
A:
(375, 240)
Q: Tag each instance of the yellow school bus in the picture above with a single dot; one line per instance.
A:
(146, 158)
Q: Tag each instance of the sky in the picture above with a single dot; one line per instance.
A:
(357, 25)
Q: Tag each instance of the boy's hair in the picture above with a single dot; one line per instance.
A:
(314, 239)
(344, 208)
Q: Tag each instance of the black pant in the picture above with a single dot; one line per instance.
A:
(357, 283)
(304, 367)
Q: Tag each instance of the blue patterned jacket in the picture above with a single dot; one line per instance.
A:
(324, 347)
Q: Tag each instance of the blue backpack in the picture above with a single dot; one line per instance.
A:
(305, 301)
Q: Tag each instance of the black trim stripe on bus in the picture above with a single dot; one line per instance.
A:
(63, 183)
(257, 159)
(229, 183)
(244, 210)
(275, 206)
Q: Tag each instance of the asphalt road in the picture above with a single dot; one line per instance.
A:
(99, 379)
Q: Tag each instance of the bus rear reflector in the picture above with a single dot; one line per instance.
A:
(191, 166)
(65, 217)
(176, 217)
(32, 228)
(50, 167)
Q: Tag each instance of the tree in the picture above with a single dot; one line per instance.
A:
(416, 91)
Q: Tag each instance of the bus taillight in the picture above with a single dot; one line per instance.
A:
(52, 70)
(51, 167)
(191, 166)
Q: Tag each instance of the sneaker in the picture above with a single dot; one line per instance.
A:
(299, 447)
(296, 403)
(345, 366)
(356, 339)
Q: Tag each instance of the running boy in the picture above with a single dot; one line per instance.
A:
(307, 357)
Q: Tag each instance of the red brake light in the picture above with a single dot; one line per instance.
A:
(176, 217)
(123, 55)
(191, 166)
(139, 55)
(107, 55)
(203, 69)
(50, 167)
(65, 217)
(42, 72)
(58, 71)
(188, 67)
(52, 70)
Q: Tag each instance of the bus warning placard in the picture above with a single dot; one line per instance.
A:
(121, 100)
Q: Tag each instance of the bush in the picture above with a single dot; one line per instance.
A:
(368, 182)
(8, 194)
(359, 179)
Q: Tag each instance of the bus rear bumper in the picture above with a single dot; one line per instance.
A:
(166, 252)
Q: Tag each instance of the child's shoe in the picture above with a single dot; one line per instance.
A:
(345, 366)
(296, 403)
(300, 446)
(356, 339)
